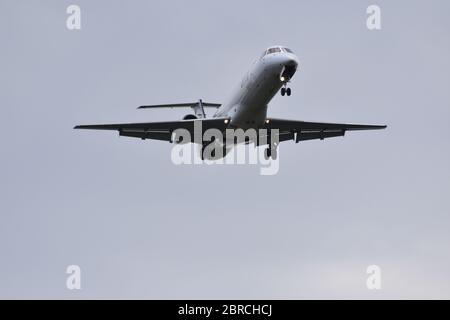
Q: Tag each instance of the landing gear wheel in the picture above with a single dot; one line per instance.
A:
(202, 152)
(274, 153)
(283, 91)
(271, 152)
(267, 153)
(288, 91)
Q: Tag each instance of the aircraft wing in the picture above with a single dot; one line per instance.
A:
(288, 129)
(304, 130)
(158, 130)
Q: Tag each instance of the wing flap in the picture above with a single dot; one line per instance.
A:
(163, 136)
(159, 130)
(305, 126)
(319, 135)
(305, 130)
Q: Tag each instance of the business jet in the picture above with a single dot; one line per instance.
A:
(246, 109)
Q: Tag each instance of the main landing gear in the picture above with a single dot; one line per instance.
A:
(271, 152)
(285, 91)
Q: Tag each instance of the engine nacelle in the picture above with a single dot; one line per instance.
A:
(190, 117)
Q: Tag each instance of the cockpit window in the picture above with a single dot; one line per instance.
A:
(288, 50)
(273, 50)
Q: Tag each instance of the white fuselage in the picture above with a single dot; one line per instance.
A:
(247, 107)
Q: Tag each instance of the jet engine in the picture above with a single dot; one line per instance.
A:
(190, 117)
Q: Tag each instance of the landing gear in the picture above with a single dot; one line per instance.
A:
(267, 153)
(271, 152)
(202, 152)
(286, 91)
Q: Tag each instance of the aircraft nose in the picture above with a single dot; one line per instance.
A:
(289, 67)
(291, 62)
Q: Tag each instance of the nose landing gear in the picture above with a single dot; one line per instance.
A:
(285, 91)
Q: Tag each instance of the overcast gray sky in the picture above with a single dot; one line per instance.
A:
(141, 227)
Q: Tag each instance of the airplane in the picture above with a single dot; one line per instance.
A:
(246, 109)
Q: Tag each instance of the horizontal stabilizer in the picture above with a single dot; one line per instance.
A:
(181, 105)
